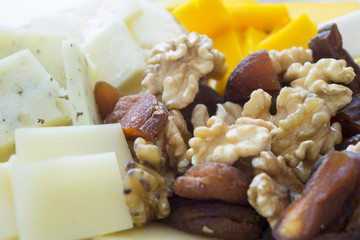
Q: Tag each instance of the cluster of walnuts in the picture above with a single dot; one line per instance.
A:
(277, 150)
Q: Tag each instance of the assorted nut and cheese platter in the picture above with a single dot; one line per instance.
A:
(184, 119)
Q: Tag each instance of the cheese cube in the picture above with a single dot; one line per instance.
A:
(65, 23)
(154, 231)
(40, 144)
(29, 97)
(295, 34)
(204, 16)
(79, 80)
(46, 47)
(117, 56)
(251, 38)
(86, 20)
(154, 26)
(102, 13)
(70, 197)
(265, 17)
(228, 43)
(8, 227)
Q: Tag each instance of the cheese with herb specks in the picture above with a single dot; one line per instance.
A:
(29, 97)
(45, 46)
(80, 85)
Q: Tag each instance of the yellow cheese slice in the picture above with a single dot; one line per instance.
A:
(297, 33)
(228, 43)
(203, 16)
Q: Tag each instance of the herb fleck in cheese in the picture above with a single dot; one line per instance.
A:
(80, 83)
(28, 97)
(45, 46)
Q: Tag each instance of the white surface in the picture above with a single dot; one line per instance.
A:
(14, 13)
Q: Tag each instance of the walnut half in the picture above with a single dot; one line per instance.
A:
(146, 194)
(175, 68)
(220, 142)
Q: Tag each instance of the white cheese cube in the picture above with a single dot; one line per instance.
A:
(45, 46)
(154, 26)
(101, 13)
(79, 81)
(72, 197)
(86, 20)
(29, 97)
(66, 23)
(117, 56)
(8, 227)
(154, 231)
(43, 143)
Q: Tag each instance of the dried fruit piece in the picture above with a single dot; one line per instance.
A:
(339, 236)
(349, 117)
(328, 44)
(253, 72)
(106, 97)
(322, 200)
(140, 115)
(207, 96)
(213, 181)
(214, 219)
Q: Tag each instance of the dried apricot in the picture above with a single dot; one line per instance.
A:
(207, 96)
(106, 97)
(253, 72)
(140, 115)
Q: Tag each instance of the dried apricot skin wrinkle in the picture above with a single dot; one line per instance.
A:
(140, 115)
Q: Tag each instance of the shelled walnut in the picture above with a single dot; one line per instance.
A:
(146, 194)
(149, 154)
(281, 60)
(220, 142)
(175, 68)
(173, 141)
(323, 79)
(274, 186)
